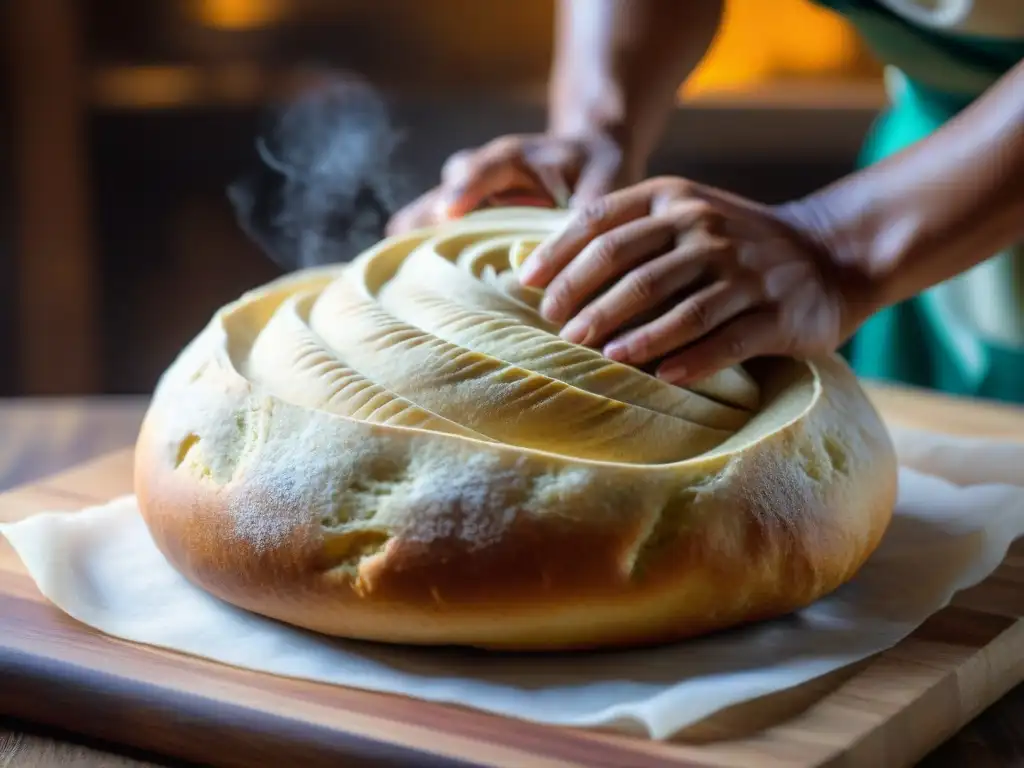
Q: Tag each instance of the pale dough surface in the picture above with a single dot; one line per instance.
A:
(403, 449)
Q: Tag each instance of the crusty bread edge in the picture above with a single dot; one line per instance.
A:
(579, 555)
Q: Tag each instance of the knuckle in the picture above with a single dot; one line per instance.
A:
(789, 327)
(460, 166)
(685, 189)
(668, 183)
(558, 294)
(756, 284)
(595, 319)
(507, 146)
(604, 250)
(721, 257)
(750, 259)
(737, 347)
(548, 151)
(663, 191)
(708, 217)
(642, 286)
(591, 215)
(460, 158)
(640, 345)
(685, 185)
(764, 286)
(720, 248)
(697, 317)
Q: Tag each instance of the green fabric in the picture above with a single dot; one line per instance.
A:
(944, 338)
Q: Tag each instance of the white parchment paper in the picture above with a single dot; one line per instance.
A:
(101, 567)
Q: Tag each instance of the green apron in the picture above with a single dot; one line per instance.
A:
(965, 336)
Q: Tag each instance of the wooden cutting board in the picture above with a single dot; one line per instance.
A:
(888, 711)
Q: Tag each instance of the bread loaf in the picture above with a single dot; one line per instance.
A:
(402, 449)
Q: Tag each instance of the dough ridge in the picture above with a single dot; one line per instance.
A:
(402, 449)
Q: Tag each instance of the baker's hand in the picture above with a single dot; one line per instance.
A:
(675, 270)
(540, 168)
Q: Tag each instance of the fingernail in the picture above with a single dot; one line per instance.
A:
(528, 272)
(443, 209)
(617, 351)
(550, 309)
(452, 204)
(672, 373)
(456, 193)
(577, 332)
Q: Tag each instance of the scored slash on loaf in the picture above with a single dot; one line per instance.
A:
(402, 449)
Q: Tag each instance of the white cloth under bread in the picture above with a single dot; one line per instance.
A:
(101, 567)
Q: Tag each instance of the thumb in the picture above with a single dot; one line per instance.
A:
(735, 206)
(599, 178)
(474, 189)
(742, 217)
(470, 178)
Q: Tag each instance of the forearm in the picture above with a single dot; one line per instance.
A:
(619, 63)
(939, 207)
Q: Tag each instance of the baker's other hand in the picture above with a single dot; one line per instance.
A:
(696, 278)
(541, 168)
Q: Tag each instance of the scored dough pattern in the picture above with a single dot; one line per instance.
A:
(403, 449)
(433, 331)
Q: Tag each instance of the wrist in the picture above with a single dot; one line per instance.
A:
(594, 107)
(841, 237)
(933, 210)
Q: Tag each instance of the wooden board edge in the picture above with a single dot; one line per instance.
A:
(73, 686)
(63, 484)
(946, 696)
(33, 684)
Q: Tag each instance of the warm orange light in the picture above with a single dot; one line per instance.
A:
(147, 86)
(762, 41)
(239, 14)
(162, 87)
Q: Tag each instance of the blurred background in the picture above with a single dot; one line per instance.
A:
(122, 122)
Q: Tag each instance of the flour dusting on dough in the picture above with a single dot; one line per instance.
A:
(472, 499)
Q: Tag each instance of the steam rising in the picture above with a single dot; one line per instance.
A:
(323, 188)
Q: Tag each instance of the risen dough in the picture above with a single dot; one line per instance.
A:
(404, 450)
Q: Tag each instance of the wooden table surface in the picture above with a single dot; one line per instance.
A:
(40, 437)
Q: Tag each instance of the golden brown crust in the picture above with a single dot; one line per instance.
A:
(396, 533)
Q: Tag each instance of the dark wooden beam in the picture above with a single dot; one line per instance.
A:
(56, 273)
